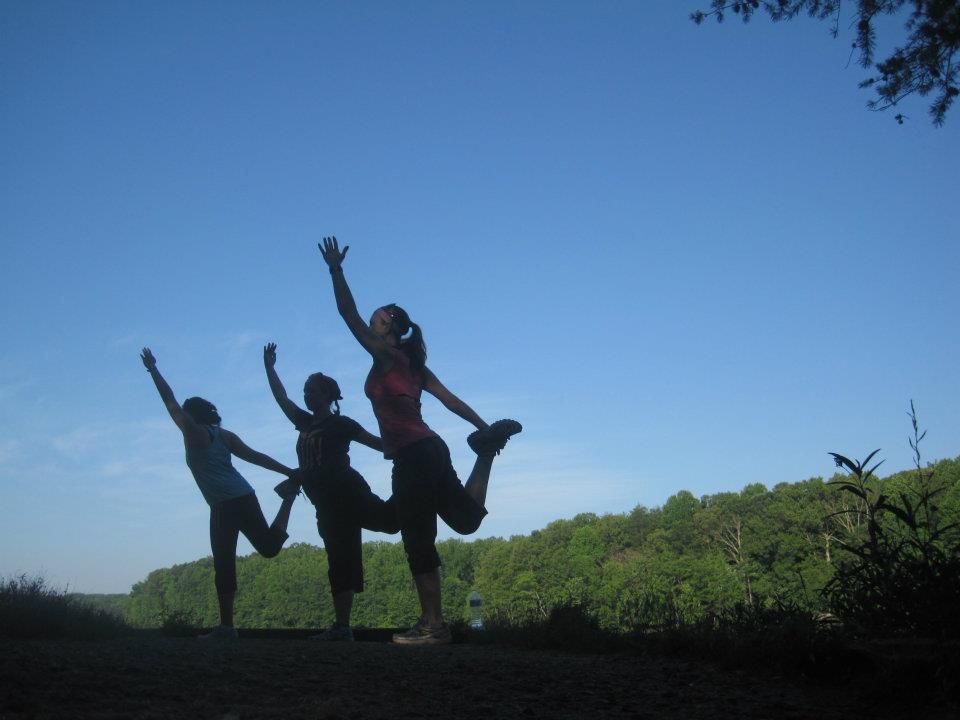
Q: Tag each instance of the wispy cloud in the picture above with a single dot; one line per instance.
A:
(79, 439)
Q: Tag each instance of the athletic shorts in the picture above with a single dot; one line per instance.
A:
(345, 504)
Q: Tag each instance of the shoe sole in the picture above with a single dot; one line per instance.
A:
(421, 640)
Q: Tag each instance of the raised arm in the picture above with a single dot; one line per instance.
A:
(450, 401)
(346, 306)
(289, 407)
(242, 451)
(193, 434)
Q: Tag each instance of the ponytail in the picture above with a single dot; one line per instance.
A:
(413, 345)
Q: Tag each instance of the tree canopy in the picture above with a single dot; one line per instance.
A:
(693, 560)
(923, 63)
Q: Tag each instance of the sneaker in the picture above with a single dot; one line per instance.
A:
(423, 634)
(335, 633)
(221, 633)
(289, 488)
(490, 440)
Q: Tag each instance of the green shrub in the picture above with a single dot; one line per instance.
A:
(180, 623)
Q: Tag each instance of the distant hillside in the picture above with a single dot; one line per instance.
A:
(115, 603)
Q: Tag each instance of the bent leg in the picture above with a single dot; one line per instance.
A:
(371, 511)
(461, 508)
(476, 486)
(266, 540)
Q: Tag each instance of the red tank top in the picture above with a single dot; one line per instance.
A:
(395, 396)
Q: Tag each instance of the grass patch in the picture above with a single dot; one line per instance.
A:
(31, 609)
(786, 642)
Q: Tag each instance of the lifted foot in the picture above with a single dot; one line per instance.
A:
(289, 488)
(491, 440)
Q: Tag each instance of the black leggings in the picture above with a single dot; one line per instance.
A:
(425, 485)
(227, 520)
(345, 504)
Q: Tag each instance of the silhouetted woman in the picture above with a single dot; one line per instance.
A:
(233, 504)
(343, 500)
(425, 484)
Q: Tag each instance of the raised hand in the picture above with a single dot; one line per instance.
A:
(270, 355)
(330, 250)
(149, 361)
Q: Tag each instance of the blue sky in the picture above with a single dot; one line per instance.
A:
(684, 257)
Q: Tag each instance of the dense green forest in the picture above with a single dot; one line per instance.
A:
(688, 561)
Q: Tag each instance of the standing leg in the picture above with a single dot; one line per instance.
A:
(339, 529)
(224, 531)
(428, 590)
(225, 601)
(417, 472)
(342, 607)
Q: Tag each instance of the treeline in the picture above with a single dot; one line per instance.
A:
(112, 603)
(688, 561)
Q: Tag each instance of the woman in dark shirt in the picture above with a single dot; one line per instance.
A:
(343, 500)
(425, 485)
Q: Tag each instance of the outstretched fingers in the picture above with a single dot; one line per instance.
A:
(149, 361)
(270, 354)
(330, 249)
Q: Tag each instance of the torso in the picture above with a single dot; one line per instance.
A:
(395, 396)
(213, 469)
(324, 443)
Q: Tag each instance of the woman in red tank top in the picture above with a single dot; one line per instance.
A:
(425, 485)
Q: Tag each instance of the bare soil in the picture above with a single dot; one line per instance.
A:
(261, 676)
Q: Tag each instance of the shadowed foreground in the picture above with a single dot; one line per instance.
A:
(152, 676)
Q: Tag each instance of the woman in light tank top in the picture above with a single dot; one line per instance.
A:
(233, 504)
(425, 485)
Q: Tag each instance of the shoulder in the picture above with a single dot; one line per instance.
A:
(347, 425)
(199, 436)
(230, 439)
(302, 420)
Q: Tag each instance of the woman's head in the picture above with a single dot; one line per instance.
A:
(392, 321)
(202, 411)
(319, 391)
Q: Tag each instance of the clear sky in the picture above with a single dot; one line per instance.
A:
(684, 257)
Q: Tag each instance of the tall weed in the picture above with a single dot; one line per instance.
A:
(902, 574)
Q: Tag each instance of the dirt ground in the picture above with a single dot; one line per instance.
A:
(151, 676)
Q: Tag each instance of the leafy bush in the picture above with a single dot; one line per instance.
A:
(180, 623)
(30, 609)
